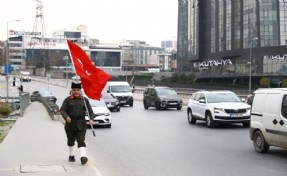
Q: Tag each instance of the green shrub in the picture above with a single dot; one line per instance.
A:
(264, 82)
(5, 109)
(284, 83)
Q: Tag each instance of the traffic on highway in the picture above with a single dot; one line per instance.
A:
(164, 142)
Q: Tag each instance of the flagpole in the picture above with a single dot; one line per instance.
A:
(71, 56)
(94, 134)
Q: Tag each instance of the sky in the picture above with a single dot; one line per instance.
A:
(110, 21)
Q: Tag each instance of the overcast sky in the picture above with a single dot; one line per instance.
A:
(110, 21)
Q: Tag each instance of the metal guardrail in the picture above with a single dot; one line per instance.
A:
(51, 107)
(24, 98)
(186, 93)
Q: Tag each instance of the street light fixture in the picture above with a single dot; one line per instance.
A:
(250, 62)
(7, 59)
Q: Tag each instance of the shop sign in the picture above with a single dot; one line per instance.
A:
(209, 63)
(275, 57)
(12, 32)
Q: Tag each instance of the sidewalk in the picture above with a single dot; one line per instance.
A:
(37, 145)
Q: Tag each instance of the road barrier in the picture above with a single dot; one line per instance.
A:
(18, 103)
(51, 107)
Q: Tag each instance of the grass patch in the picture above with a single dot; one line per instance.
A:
(5, 127)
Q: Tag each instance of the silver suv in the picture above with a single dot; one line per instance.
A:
(217, 107)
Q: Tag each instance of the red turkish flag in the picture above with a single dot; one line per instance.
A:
(93, 79)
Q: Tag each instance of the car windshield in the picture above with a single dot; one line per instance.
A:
(222, 97)
(96, 103)
(120, 88)
(166, 92)
(107, 96)
(45, 94)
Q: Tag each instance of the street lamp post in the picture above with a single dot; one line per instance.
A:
(66, 58)
(250, 62)
(7, 59)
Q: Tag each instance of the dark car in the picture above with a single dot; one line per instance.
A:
(38, 95)
(161, 98)
(112, 102)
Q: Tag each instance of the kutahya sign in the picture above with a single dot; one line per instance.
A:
(210, 63)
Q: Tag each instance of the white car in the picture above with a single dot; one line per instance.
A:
(102, 114)
(76, 78)
(217, 107)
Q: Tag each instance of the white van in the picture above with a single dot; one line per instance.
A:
(269, 119)
(25, 76)
(121, 90)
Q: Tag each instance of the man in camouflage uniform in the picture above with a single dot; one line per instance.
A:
(73, 110)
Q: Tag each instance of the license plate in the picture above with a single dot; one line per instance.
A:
(122, 101)
(173, 103)
(109, 105)
(236, 115)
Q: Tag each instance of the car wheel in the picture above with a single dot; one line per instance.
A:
(246, 124)
(132, 104)
(209, 121)
(157, 106)
(190, 117)
(145, 105)
(259, 142)
(178, 108)
(118, 109)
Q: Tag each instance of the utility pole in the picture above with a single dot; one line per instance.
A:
(66, 58)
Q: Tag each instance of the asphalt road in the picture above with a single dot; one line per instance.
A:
(162, 143)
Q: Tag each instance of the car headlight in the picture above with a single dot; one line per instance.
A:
(162, 99)
(216, 110)
(106, 114)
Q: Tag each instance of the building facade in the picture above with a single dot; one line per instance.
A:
(28, 51)
(233, 41)
(169, 45)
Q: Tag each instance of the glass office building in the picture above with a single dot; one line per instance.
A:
(227, 40)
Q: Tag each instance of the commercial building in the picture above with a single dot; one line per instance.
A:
(233, 41)
(28, 51)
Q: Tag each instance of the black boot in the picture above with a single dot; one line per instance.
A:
(84, 160)
(72, 158)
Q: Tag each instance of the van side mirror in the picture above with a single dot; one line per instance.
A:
(133, 90)
(108, 91)
(201, 100)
